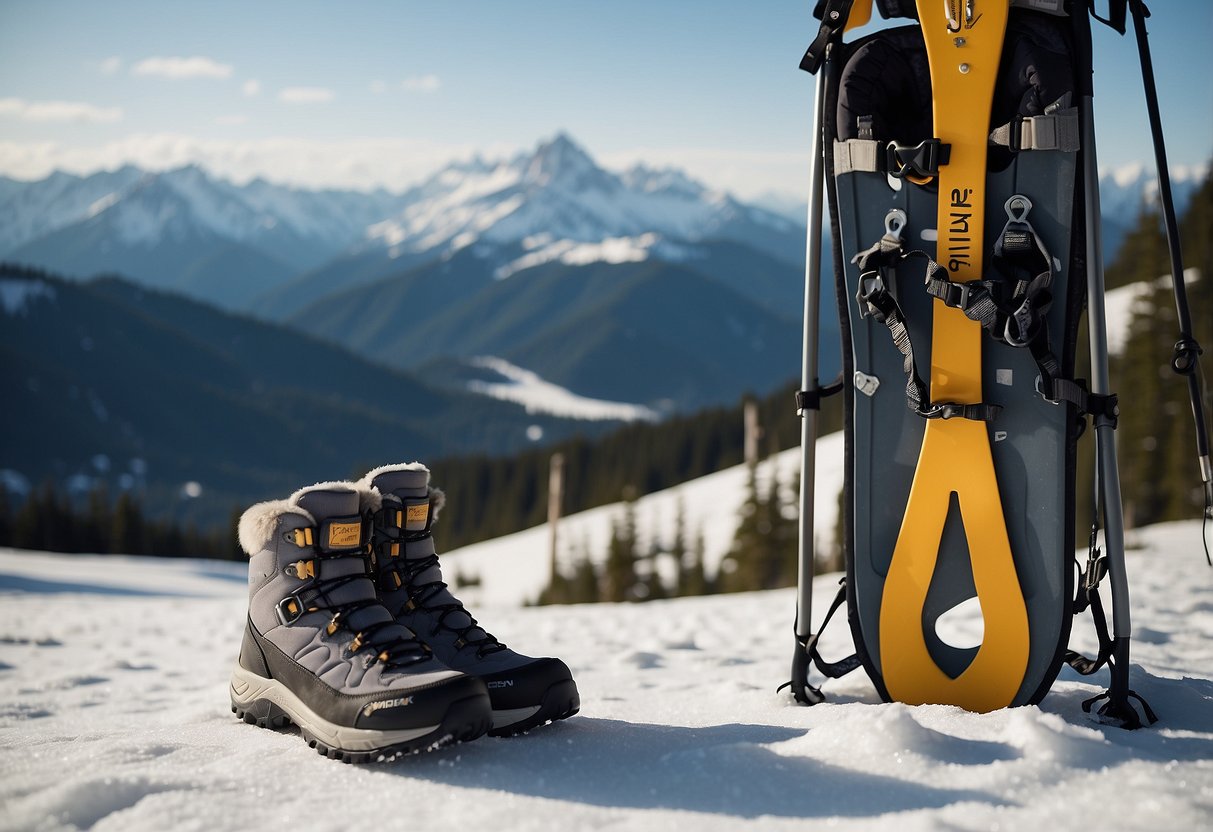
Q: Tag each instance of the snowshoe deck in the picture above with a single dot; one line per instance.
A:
(942, 511)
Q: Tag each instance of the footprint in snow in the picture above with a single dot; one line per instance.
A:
(643, 661)
(123, 664)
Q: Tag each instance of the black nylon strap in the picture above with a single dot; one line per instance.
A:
(811, 399)
(833, 16)
(877, 267)
(842, 667)
(1080, 662)
(1116, 18)
(1088, 597)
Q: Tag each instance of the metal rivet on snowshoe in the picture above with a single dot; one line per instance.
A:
(866, 384)
(894, 222)
(1018, 207)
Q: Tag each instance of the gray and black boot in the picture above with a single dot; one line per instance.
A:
(526, 692)
(321, 651)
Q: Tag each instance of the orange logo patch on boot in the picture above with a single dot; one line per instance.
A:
(343, 535)
(416, 516)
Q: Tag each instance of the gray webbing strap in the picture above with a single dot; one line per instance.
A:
(864, 155)
(1053, 131)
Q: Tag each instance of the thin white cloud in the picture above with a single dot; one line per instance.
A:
(251, 87)
(387, 162)
(182, 68)
(305, 95)
(378, 86)
(62, 111)
(745, 173)
(231, 120)
(421, 83)
(110, 65)
(390, 163)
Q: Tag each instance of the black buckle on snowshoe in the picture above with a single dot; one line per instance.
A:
(979, 412)
(922, 160)
(290, 609)
(1015, 139)
(955, 295)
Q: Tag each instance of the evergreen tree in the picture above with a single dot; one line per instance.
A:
(97, 521)
(763, 554)
(694, 578)
(620, 572)
(1158, 474)
(739, 570)
(127, 532)
(678, 548)
(652, 586)
(785, 528)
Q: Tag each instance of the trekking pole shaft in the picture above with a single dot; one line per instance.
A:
(1165, 197)
(1167, 203)
(1097, 330)
(808, 376)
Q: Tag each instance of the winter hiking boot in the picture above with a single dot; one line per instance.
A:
(526, 692)
(321, 651)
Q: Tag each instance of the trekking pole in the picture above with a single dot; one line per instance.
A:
(834, 17)
(1108, 476)
(808, 415)
(1185, 359)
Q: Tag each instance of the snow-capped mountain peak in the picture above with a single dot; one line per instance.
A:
(561, 161)
(560, 194)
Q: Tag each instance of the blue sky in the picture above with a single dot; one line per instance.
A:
(370, 93)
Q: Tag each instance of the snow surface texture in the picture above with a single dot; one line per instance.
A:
(114, 715)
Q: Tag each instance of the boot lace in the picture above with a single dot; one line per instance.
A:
(424, 594)
(380, 642)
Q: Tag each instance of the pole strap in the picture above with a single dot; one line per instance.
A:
(807, 657)
(833, 15)
(811, 399)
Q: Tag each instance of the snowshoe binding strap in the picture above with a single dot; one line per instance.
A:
(875, 297)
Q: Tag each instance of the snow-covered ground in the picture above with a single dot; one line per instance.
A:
(114, 716)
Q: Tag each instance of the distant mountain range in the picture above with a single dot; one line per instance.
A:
(112, 382)
(182, 230)
(641, 286)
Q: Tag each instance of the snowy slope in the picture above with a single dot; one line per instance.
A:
(515, 568)
(114, 716)
(539, 396)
